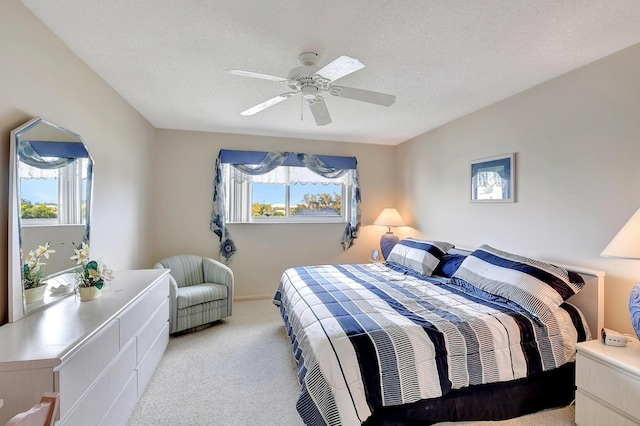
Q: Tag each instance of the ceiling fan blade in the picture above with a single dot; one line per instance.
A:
(319, 110)
(256, 75)
(340, 67)
(363, 95)
(269, 102)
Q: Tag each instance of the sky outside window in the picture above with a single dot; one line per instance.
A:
(39, 191)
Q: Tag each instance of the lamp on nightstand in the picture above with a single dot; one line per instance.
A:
(389, 217)
(626, 245)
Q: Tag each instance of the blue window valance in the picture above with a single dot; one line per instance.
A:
(50, 155)
(258, 163)
(228, 156)
(59, 149)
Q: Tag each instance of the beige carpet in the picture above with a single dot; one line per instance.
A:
(241, 372)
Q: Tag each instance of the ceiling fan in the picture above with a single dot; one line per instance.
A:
(310, 80)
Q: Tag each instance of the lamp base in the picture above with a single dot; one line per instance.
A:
(387, 242)
(634, 308)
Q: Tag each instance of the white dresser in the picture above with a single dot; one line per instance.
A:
(99, 355)
(608, 384)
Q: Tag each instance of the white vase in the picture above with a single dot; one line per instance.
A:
(32, 295)
(89, 293)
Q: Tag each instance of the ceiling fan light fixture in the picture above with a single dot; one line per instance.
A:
(309, 92)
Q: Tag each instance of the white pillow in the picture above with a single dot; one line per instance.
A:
(417, 255)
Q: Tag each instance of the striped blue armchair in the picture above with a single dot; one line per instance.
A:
(201, 291)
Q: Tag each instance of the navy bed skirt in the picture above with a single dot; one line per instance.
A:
(494, 401)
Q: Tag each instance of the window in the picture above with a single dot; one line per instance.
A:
(261, 187)
(286, 194)
(53, 196)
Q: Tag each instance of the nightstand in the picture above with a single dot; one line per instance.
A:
(608, 384)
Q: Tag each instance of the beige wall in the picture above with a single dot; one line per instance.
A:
(577, 141)
(41, 77)
(183, 175)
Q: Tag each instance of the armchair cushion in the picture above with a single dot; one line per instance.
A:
(200, 293)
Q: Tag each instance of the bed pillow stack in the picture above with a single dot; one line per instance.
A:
(538, 287)
(418, 255)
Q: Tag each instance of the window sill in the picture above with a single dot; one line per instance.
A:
(289, 222)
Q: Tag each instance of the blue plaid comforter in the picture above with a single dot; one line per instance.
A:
(367, 334)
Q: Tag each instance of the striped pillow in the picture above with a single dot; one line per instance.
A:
(419, 256)
(538, 287)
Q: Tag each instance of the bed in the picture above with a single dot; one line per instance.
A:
(436, 334)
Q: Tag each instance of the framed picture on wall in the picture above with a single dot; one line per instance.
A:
(494, 179)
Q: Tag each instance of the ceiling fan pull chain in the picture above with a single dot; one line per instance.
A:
(301, 109)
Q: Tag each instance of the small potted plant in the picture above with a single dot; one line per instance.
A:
(92, 274)
(33, 273)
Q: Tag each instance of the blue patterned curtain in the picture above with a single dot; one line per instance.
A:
(245, 161)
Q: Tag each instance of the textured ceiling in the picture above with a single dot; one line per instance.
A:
(441, 58)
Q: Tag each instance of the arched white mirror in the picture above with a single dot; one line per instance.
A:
(49, 213)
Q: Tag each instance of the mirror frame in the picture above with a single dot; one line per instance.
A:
(17, 304)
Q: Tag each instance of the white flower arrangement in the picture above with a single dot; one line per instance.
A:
(33, 269)
(94, 273)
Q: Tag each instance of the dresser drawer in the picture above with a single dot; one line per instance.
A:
(591, 412)
(152, 329)
(160, 291)
(124, 404)
(83, 367)
(609, 384)
(99, 398)
(141, 310)
(148, 365)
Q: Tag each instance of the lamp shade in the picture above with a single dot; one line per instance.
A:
(626, 243)
(389, 217)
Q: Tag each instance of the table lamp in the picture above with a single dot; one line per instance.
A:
(626, 245)
(389, 217)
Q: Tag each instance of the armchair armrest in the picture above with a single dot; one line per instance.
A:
(219, 273)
